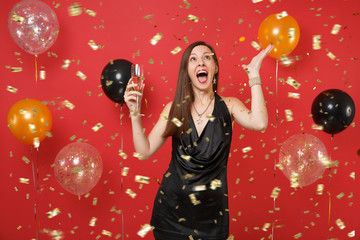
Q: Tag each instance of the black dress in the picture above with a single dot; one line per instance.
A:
(192, 201)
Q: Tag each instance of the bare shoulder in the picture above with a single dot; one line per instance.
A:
(166, 109)
(232, 102)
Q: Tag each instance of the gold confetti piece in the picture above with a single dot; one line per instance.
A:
(351, 234)
(182, 220)
(256, 1)
(81, 75)
(241, 39)
(93, 45)
(144, 230)
(24, 180)
(92, 222)
(340, 223)
(255, 45)
(291, 32)
(131, 193)
(331, 55)
(275, 192)
(336, 28)
(193, 18)
(18, 18)
(156, 38)
(167, 174)
(266, 227)
(317, 127)
(352, 175)
(286, 61)
(340, 195)
(289, 115)
(199, 188)
(299, 235)
(164, 117)
(42, 75)
(122, 154)
(327, 162)
(11, 89)
(281, 15)
(75, 9)
(36, 142)
(25, 159)
(177, 122)
(294, 180)
(292, 82)
(186, 157)
(194, 200)
(68, 104)
(138, 155)
(142, 179)
(90, 12)
(320, 189)
(176, 50)
(66, 64)
(56, 234)
(216, 183)
(294, 95)
(94, 202)
(106, 233)
(246, 149)
(53, 213)
(16, 69)
(97, 127)
(316, 42)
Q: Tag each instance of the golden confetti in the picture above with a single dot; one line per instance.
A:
(327, 162)
(336, 28)
(36, 142)
(256, 1)
(255, 45)
(53, 213)
(144, 230)
(320, 189)
(94, 202)
(11, 89)
(68, 104)
(131, 193)
(156, 38)
(294, 95)
(16, 69)
(125, 171)
(66, 64)
(75, 9)
(138, 155)
(299, 235)
(81, 75)
(194, 200)
(93, 45)
(106, 233)
(18, 18)
(340, 223)
(281, 15)
(176, 121)
(286, 61)
(316, 42)
(142, 179)
(186, 157)
(92, 222)
(97, 127)
(164, 117)
(176, 50)
(122, 154)
(210, 117)
(193, 18)
(42, 75)
(25, 159)
(275, 192)
(292, 82)
(216, 183)
(24, 180)
(317, 127)
(351, 234)
(90, 12)
(289, 115)
(246, 149)
(331, 55)
(56, 234)
(266, 227)
(291, 32)
(352, 175)
(241, 39)
(199, 188)
(294, 180)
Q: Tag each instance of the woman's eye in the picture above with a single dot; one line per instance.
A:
(192, 59)
(207, 57)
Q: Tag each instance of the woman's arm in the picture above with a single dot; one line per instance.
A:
(144, 145)
(256, 118)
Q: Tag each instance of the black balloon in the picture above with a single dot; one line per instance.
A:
(334, 110)
(114, 78)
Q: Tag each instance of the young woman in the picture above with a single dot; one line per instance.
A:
(192, 201)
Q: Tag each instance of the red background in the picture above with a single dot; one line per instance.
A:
(124, 30)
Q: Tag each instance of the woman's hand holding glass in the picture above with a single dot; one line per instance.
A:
(134, 92)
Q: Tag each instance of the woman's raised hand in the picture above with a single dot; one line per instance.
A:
(253, 68)
(133, 98)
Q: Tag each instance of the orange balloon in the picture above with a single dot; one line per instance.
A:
(29, 121)
(280, 30)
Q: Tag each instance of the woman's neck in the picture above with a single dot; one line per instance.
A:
(203, 97)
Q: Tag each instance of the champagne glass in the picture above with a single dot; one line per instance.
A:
(137, 76)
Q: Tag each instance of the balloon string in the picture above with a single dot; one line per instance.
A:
(36, 74)
(329, 215)
(276, 135)
(122, 146)
(36, 191)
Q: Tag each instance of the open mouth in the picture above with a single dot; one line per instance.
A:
(202, 76)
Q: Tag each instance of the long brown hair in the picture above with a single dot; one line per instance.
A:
(184, 95)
